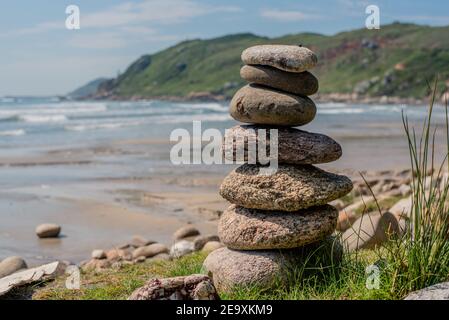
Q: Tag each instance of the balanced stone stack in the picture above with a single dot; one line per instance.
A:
(276, 222)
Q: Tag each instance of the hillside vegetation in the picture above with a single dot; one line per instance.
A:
(397, 60)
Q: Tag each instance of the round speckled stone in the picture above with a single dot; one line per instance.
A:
(294, 146)
(290, 188)
(251, 229)
(285, 57)
(302, 83)
(263, 105)
(267, 269)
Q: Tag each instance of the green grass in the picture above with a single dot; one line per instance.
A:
(119, 283)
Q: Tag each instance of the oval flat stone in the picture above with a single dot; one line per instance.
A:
(291, 188)
(262, 105)
(251, 229)
(284, 57)
(294, 146)
(302, 83)
(266, 269)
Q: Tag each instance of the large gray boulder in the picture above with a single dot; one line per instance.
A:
(251, 229)
(10, 265)
(267, 269)
(371, 230)
(48, 230)
(438, 291)
(291, 188)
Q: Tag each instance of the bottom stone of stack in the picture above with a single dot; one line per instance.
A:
(251, 229)
(265, 269)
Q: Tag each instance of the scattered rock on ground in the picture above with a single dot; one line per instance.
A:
(200, 241)
(402, 208)
(139, 241)
(181, 248)
(48, 230)
(98, 254)
(185, 232)
(150, 250)
(96, 264)
(211, 246)
(159, 257)
(438, 291)
(10, 265)
(371, 230)
(29, 276)
(193, 287)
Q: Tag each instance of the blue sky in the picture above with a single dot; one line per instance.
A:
(39, 56)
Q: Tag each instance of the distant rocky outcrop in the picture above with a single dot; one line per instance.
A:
(392, 65)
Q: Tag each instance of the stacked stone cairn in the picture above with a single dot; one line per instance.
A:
(276, 222)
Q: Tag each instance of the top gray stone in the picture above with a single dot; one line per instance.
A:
(284, 57)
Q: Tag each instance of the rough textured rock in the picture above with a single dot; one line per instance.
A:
(211, 246)
(294, 146)
(266, 268)
(200, 241)
(181, 248)
(262, 105)
(285, 57)
(193, 287)
(150, 251)
(438, 291)
(291, 188)
(250, 229)
(98, 254)
(30, 276)
(185, 232)
(118, 254)
(303, 83)
(10, 265)
(48, 230)
(370, 231)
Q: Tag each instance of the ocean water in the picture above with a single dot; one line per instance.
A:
(36, 124)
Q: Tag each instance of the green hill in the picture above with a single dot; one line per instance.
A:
(397, 60)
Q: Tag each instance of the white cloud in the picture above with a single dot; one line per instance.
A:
(287, 16)
(151, 11)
